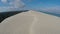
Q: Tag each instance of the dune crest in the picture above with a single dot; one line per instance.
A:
(31, 22)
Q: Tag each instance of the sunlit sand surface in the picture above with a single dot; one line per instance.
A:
(31, 22)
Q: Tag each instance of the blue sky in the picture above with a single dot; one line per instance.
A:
(44, 5)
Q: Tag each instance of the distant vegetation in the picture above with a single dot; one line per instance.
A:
(4, 15)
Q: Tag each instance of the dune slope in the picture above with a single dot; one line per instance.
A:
(31, 22)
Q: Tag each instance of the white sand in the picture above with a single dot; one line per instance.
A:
(31, 22)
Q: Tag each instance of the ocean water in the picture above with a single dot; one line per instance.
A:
(54, 14)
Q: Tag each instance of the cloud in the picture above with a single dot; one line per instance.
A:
(17, 4)
(14, 5)
(55, 9)
(4, 1)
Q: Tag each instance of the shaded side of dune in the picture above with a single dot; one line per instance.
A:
(4, 15)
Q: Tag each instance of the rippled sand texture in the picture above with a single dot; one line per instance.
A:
(31, 22)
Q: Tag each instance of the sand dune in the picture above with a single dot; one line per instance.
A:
(31, 22)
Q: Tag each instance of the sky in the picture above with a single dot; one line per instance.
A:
(42, 5)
